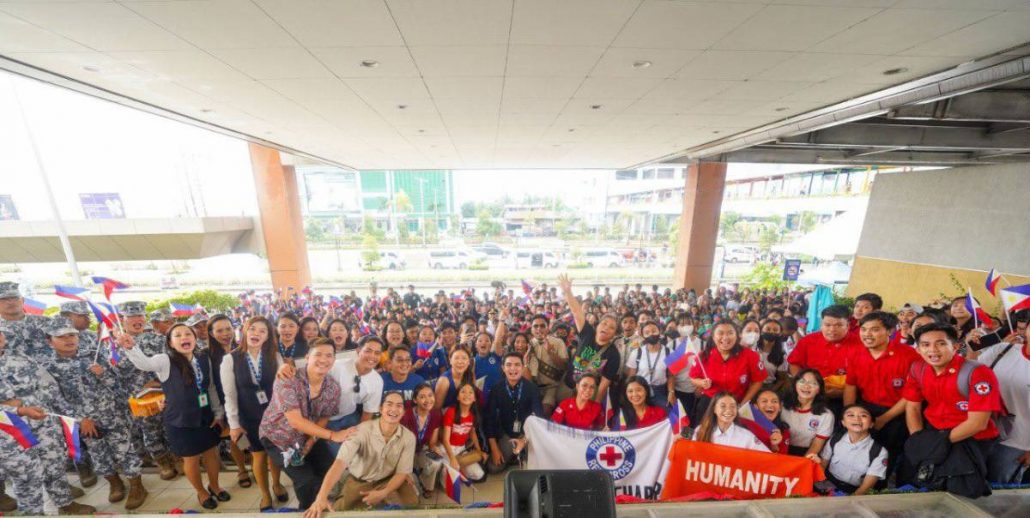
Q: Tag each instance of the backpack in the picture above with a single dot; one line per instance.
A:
(840, 433)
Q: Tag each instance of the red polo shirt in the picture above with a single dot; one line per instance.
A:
(589, 418)
(899, 339)
(733, 374)
(880, 380)
(814, 352)
(653, 415)
(946, 408)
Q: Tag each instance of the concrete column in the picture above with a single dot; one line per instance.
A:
(281, 222)
(699, 226)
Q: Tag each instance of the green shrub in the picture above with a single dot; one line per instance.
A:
(577, 266)
(210, 299)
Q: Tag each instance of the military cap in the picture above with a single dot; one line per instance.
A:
(132, 308)
(60, 326)
(161, 315)
(196, 318)
(9, 289)
(78, 307)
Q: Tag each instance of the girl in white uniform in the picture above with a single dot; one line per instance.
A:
(719, 425)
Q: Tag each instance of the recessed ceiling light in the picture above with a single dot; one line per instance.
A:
(91, 68)
(206, 110)
(716, 132)
(639, 64)
(571, 130)
(369, 63)
(596, 106)
(402, 106)
(893, 71)
(782, 109)
(421, 131)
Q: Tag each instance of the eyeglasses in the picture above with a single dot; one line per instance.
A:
(808, 382)
(357, 384)
(539, 326)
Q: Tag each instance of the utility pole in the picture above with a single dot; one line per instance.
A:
(422, 206)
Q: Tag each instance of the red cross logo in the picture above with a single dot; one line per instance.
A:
(610, 456)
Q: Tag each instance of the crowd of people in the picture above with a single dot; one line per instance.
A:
(360, 400)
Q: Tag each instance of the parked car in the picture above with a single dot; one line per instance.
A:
(537, 259)
(604, 257)
(739, 254)
(491, 250)
(440, 259)
(389, 260)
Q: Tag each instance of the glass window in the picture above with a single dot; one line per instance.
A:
(626, 174)
(758, 189)
(648, 174)
(666, 173)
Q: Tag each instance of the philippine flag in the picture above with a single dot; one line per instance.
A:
(182, 310)
(750, 412)
(452, 483)
(974, 307)
(678, 418)
(17, 428)
(992, 282)
(423, 350)
(526, 287)
(70, 292)
(1016, 298)
(34, 307)
(109, 285)
(71, 436)
(679, 359)
(106, 317)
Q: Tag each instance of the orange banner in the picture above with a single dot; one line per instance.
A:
(698, 467)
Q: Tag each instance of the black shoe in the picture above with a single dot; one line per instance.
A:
(210, 503)
(282, 497)
(222, 496)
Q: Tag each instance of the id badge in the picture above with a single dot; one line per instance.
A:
(202, 399)
(517, 426)
(261, 397)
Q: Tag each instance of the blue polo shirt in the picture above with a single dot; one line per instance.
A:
(488, 366)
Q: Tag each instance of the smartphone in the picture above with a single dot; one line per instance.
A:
(986, 341)
(432, 455)
(243, 442)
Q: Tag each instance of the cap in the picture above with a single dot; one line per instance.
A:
(60, 326)
(911, 306)
(160, 315)
(196, 318)
(78, 307)
(133, 308)
(9, 289)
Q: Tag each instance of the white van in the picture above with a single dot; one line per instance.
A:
(537, 259)
(461, 259)
(604, 258)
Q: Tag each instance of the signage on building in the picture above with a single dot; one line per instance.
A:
(102, 205)
(791, 269)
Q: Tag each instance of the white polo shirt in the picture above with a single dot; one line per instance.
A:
(737, 437)
(370, 392)
(850, 462)
(805, 427)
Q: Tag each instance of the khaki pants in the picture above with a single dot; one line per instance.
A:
(352, 488)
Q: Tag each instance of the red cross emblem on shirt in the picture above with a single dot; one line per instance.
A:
(610, 456)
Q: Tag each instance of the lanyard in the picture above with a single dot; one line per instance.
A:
(515, 398)
(422, 428)
(307, 393)
(255, 373)
(651, 365)
(287, 353)
(198, 375)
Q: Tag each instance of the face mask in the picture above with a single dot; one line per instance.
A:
(749, 338)
(686, 330)
(651, 340)
(672, 334)
(770, 337)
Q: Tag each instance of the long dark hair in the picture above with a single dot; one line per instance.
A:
(473, 408)
(778, 421)
(350, 344)
(269, 349)
(790, 401)
(710, 342)
(299, 339)
(469, 378)
(708, 420)
(627, 408)
(217, 353)
(177, 359)
(304, 321)
(776, 353)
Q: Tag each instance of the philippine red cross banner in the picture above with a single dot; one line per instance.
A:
(634, 458)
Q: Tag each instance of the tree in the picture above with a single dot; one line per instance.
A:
(561, 227)
(314, 230)
(455, 224)
(468, 210)
(766, 275)
(486, 226)
(370, 254)
(403, 232)
(768, 237)
(727, 224)
(661, 226)
(674, 235)
(432, 229)
(369, 227)
(807, 221)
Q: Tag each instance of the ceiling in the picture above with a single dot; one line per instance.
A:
(495, 83)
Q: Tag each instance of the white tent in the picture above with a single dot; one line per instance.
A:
(827, 274)
(835, 238)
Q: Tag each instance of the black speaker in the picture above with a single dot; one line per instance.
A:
(559, 494)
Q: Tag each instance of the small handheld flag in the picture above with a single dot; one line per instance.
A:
(105, 317)
(678, 418)
(34, 307)
(978, 313)
(182, 310)
(71, 436)
(749, 411)
(527, 288)
(992, 283)
(70, 292)
(17, 428)
(109, 285)
(423, 350)
(452, 483)
(1016, 298)
(622, 420)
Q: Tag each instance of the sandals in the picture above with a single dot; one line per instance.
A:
(210, 503)
(281, 497)
(222, 496)
(244, 479)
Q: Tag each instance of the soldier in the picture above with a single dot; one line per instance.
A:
(93, 389)
(25, 383)
(148, 429)
(26, 333)
(25, 475)
(198, 321)
(77, 313)
(161, 321)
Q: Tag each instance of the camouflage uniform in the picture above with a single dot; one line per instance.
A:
(27, 336)
(25, 379)
(23, 473)
(88, 340)
(149, 431)
(98, 398)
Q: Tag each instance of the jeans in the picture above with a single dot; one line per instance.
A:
(342, 423)
(1003, 465)
(307, 478)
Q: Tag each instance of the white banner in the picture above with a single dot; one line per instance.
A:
(634, 458)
